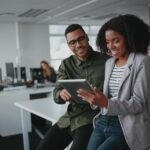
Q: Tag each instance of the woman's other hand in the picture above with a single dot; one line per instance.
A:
(94, 97)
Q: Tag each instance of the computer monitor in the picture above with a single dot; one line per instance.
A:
(22, 73)
(0, 74)
(10, 70)
(36, 74)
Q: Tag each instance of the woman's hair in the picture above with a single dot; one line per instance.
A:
(44, 62)
(132, 28)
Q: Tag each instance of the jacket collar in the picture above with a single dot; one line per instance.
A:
(127, 71)
(131, 59)
(129, 62)
(88, 60)
(128, 68)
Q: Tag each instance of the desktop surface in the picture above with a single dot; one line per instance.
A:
(13, 86)
(18, 84)
(45, 108)
(9, 88)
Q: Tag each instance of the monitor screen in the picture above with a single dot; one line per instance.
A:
(10, 69)
(36, 74)
(22, 73)
(0, 74)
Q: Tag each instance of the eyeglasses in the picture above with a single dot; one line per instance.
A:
(78, 40)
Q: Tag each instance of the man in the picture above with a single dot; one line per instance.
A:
(76, 124)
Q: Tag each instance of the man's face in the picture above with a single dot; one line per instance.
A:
(78, 43)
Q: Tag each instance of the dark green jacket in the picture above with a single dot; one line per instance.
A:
(92, 69)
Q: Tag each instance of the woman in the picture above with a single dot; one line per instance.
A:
(48, 72)
(124, 120)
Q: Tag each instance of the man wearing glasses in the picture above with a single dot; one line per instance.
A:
(76, 124)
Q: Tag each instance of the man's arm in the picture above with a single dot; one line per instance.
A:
(60, 95)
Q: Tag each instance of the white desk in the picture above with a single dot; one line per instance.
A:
(45, 108)
(10, 114)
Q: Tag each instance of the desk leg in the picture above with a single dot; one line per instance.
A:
(24, 122)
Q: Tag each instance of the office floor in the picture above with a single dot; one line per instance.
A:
(16, 143)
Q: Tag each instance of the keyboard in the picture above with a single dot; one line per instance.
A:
(18, 84)
(14, 88)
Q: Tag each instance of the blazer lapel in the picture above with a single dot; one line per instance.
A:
(108, 72)
(125, 76)
(128, 68)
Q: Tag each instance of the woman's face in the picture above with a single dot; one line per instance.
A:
(115, 43)
(44, 66)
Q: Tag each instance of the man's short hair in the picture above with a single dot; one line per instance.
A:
(72, 28)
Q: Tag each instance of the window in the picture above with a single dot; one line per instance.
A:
(59, 49)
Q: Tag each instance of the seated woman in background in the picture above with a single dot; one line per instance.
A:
(48, 72)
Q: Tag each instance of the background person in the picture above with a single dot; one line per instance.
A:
(124, 120)
(76, 124)
(48, 72)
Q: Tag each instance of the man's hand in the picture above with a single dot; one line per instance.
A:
(64, 94)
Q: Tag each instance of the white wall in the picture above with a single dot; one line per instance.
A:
(34, 45)
(8, 49)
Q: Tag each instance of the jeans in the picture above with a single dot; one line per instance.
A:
(107, 135)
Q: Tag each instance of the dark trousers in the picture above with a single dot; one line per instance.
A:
(59, 138)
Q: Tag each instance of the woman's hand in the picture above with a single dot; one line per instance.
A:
(95, 97)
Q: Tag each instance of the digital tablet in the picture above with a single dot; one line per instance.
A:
(72, 85)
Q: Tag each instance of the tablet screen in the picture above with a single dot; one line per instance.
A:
(72, 85)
